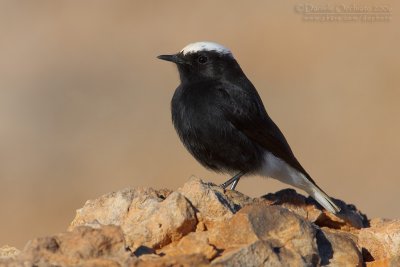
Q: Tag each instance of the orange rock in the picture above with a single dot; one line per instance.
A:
(381, 240)
(201, 224)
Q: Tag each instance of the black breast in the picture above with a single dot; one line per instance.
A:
(208, 135)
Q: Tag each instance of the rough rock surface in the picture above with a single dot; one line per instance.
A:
(201, 224)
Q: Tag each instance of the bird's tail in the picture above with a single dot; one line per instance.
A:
(322, 198)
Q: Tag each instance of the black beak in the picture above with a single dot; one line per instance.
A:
(176, 58)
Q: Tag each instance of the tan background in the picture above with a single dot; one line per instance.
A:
(84, 103)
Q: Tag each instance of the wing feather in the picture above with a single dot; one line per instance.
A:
(246, 112)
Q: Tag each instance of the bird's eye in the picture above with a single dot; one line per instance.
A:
(202, 59)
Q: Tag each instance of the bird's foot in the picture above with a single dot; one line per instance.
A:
(233, 181)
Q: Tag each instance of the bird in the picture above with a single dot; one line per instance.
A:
(221, 120)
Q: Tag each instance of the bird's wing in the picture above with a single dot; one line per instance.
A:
(245, 111)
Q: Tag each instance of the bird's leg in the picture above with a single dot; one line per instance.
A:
(234, 181)
(234, 184)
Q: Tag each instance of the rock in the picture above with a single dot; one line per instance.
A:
(200, 224)
(393, 262)
(8, 252)
(112, 208)
(260, 222)
(105, 245)
(338, 248)
(211, 202)
(193, 243)
(178, 261)
(259, 253)
(160, 223)
(8, 256)
(308, 208)
(380, 241)
(145, 215)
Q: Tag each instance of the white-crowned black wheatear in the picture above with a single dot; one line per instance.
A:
(221, 120)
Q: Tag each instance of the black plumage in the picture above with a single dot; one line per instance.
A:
(221, 120)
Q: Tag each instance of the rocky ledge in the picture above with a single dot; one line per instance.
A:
(200, 224)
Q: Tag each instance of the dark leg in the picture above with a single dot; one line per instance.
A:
(234, 181)
(234, 184)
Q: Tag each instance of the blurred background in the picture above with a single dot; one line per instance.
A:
(85, 104)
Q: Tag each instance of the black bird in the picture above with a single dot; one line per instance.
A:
(222, 121)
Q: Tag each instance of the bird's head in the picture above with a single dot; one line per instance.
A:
(204, 61)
